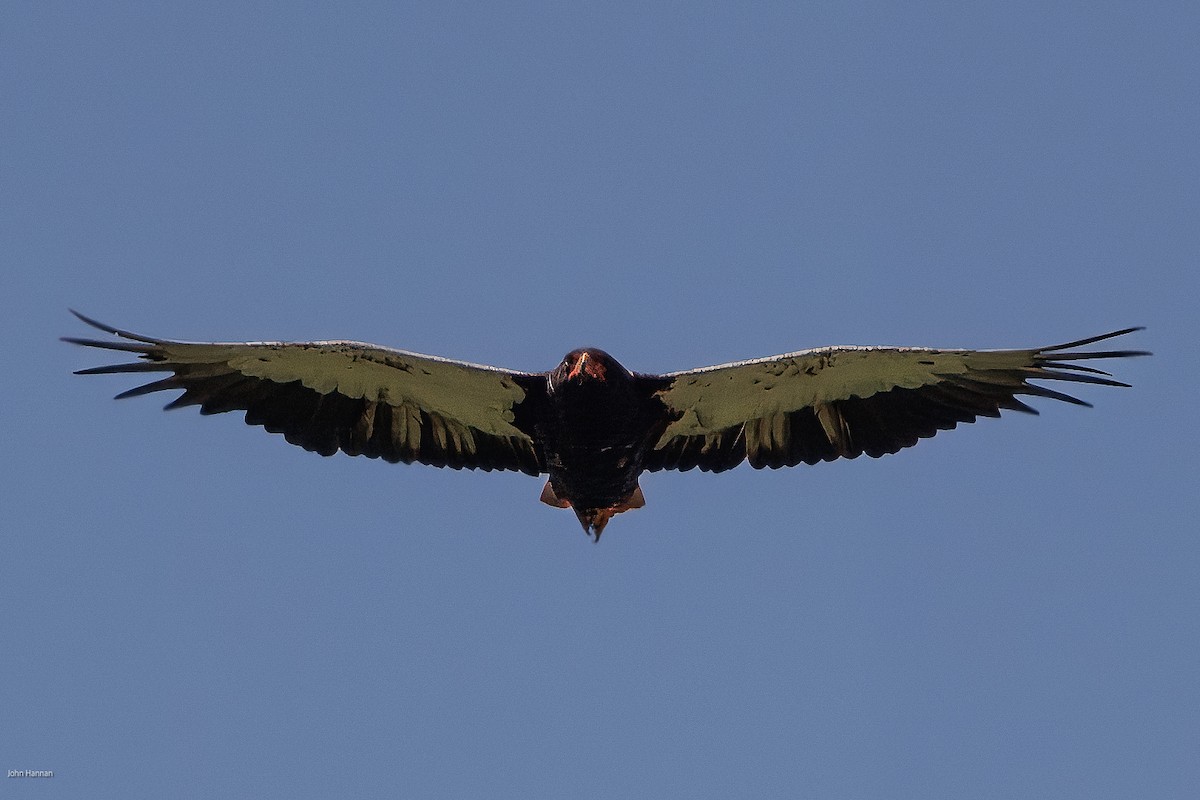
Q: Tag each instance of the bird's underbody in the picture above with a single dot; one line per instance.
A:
(592, 426)
(596, 434)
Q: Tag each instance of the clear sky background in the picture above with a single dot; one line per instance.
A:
(193, 608)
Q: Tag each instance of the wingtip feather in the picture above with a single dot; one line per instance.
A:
(1100, 338)
(108, 329)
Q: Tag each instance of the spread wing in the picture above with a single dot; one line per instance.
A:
(841, 402)
(359, 398)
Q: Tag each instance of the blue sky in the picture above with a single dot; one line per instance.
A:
(194, 608)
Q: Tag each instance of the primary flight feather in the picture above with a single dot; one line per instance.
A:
(590, 424)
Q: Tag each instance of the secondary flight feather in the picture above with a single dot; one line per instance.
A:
(592, 426)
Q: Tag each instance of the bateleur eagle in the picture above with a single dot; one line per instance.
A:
(590, 424)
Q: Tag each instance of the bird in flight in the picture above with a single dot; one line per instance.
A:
(592, 426)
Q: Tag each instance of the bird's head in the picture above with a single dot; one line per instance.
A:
(588, 365)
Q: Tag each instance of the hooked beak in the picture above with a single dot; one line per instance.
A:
(580, 366)
(587, 366)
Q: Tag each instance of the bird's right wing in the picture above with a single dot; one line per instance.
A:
(359, 398)
(841, 402)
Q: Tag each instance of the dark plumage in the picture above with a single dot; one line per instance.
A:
(590, 424)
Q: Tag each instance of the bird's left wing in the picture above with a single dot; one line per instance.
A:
(359, 398)
(841, 402)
